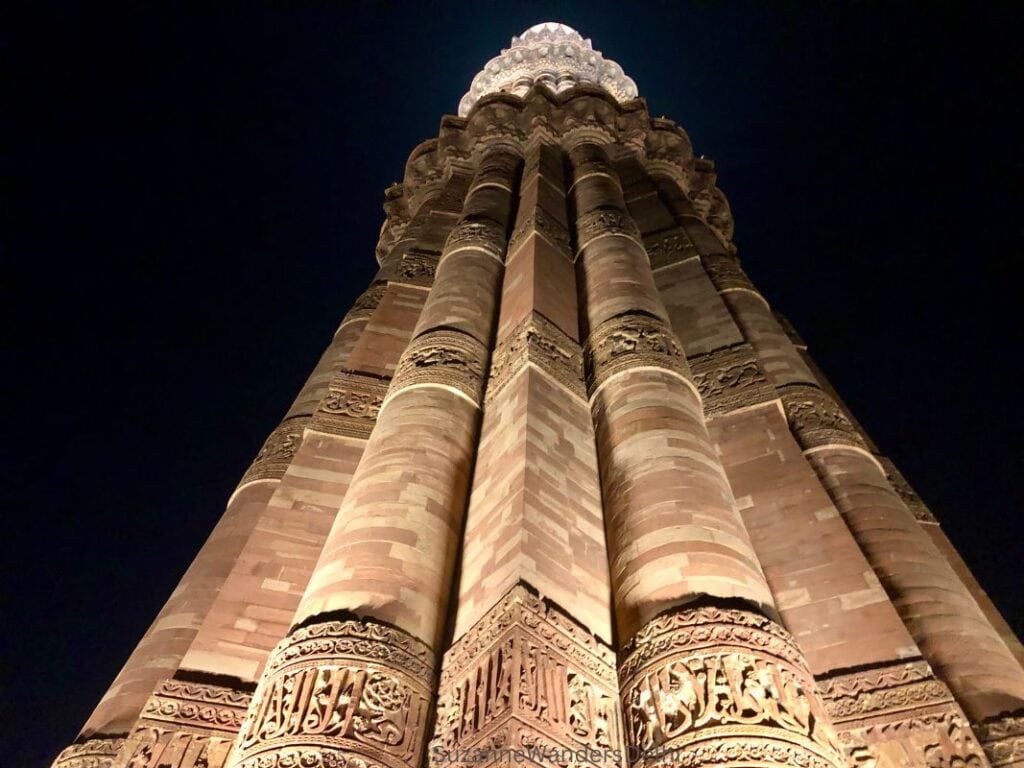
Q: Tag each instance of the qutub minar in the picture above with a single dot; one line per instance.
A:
(564, 489)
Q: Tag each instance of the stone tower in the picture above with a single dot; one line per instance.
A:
(564, 488)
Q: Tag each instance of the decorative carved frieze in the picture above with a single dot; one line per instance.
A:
(817, 419)
(366, 303)
(185, 725)
(93, 753)
(671, 247)
(197, 705)
(538, 221)
(885, 713)
(340, 693)
(726, 273)
(602, 222)
(538, 341)
(154, 746)
(630, 341)
(709, 685)
(906, 492)
(481, 234)
(444, 357)
(731, 378)
(277, 452)
(1002, 738)
(416, 268)
(351, 405)
(526, 676)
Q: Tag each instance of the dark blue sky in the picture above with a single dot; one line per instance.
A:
(194, 198)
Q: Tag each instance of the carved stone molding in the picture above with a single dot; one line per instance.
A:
(605, 221)
(93, 753)
(277, 452)
(197, 705)
(906, 492)
(1002, 738)
(538, 221)
(156, 746)
(481, 234)
(416, 268)
(888, 712)
(630, 341)
(726, 273)
(366, 303)
(723, 686)
(667, 248)
(340, 693)
(731, 378)
(443, 357)
(817, 419)
(539, 341)
(526, 675)
(351, 405)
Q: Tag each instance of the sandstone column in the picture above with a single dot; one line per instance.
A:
(705, 673)
(531, 666)
(355, 677)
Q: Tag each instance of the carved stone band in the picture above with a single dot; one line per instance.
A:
(605, 222)
(538, 341)
(94, 753)
(498, 169)
(726, 273)
(1003, 739)
(366, 303)
(725, 687)
(816, 419)
(526, 676)
(351, 405)
(196, 705)
(542, 223)
(887, 712)
(730, 379)
(340, 693)
(277, 452)
(416, 268)
(482, 235)
(447, 358)
(668, 248)
(630, 341)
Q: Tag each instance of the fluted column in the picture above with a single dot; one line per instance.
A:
(704, 671)
(354, 679)
(531, 666)
(945, 621)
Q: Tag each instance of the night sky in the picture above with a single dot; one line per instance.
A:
(193, 200)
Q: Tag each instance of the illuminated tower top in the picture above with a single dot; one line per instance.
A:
(553, 54)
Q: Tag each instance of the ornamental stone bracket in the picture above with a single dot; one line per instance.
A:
(539, 342)
(526, 677)
(817, 419)
(277, 452)
(351, 405)
(92, 753)
(727, 687)
(631, 341)
(185, 725)
(1002, 738)
(897, 715)
(340, 693)
(447, 358)
(730, 379)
